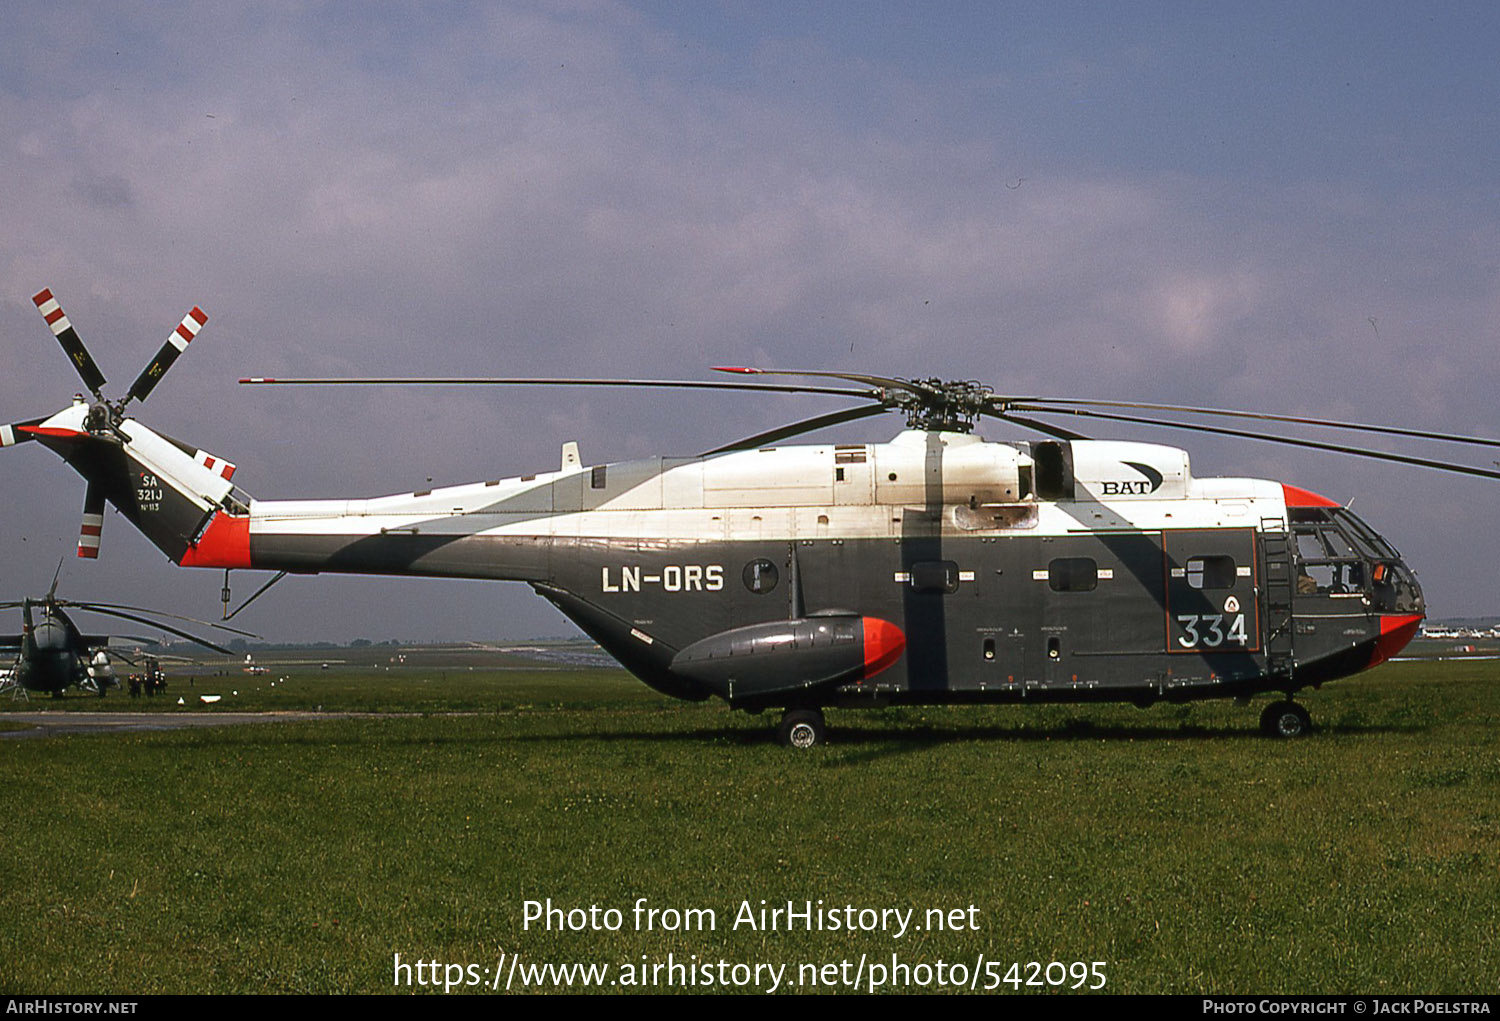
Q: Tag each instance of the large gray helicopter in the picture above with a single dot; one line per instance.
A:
(936, 567)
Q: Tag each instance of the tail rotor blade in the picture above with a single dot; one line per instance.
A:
(177, 342)
(63, 330)
(93, 523)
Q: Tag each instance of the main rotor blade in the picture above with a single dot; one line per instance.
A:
(177, 342)
(1326, 423)
(94, 608)
(1337, 448)
(798, 428)
(63, 330)
(689, 384)
(16, 432)
(1042, 427)
(883, 382)
(102, 607)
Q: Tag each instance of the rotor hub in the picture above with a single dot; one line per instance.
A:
(941, 405)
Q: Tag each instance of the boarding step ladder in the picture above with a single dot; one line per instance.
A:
(1280, 585)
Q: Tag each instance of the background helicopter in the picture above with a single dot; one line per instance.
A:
(936, 568)
(52, 653)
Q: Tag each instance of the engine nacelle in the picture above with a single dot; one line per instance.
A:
(783, 657)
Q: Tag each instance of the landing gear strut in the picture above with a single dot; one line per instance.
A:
(802, 728)
(1285, 719)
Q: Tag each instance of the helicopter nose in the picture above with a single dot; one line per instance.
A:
(1396, 630)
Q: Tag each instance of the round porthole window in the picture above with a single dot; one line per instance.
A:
(761, 576)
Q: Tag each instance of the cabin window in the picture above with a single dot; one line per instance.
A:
(1073, 574)
(1211, 572)
(596, 477)
(935, 576)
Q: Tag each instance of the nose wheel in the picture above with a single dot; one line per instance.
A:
(802, 728)
(1285, 719)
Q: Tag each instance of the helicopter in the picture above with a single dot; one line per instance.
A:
(935, 568)
(54, 654)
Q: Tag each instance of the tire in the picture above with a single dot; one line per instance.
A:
(1285, 720)
(802, 728)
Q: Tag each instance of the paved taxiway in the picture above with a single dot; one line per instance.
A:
(52, 724)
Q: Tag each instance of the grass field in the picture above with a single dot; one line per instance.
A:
(1176, 845)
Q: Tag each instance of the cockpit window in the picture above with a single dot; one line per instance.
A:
(1369, 542)
(1327, 562)
(1339, 555)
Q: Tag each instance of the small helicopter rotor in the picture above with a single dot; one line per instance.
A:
(114, 607)
(54, 609)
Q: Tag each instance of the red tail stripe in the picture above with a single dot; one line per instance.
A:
(47, 430)
(224, 543)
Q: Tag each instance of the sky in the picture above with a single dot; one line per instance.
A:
(1291, 208)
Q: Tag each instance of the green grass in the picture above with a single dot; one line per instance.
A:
(1175, 844)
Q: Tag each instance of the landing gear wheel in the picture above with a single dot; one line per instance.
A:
(802, 728)
(1285, 719)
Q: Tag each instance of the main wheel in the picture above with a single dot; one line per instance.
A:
(1285, 719)
(802, 728)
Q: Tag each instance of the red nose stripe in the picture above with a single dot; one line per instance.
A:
(884, 644)
(1395, 631)
(1302, 498)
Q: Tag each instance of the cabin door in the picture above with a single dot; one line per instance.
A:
(1212, 601)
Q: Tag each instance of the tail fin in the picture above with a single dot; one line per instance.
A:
(179, 497)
